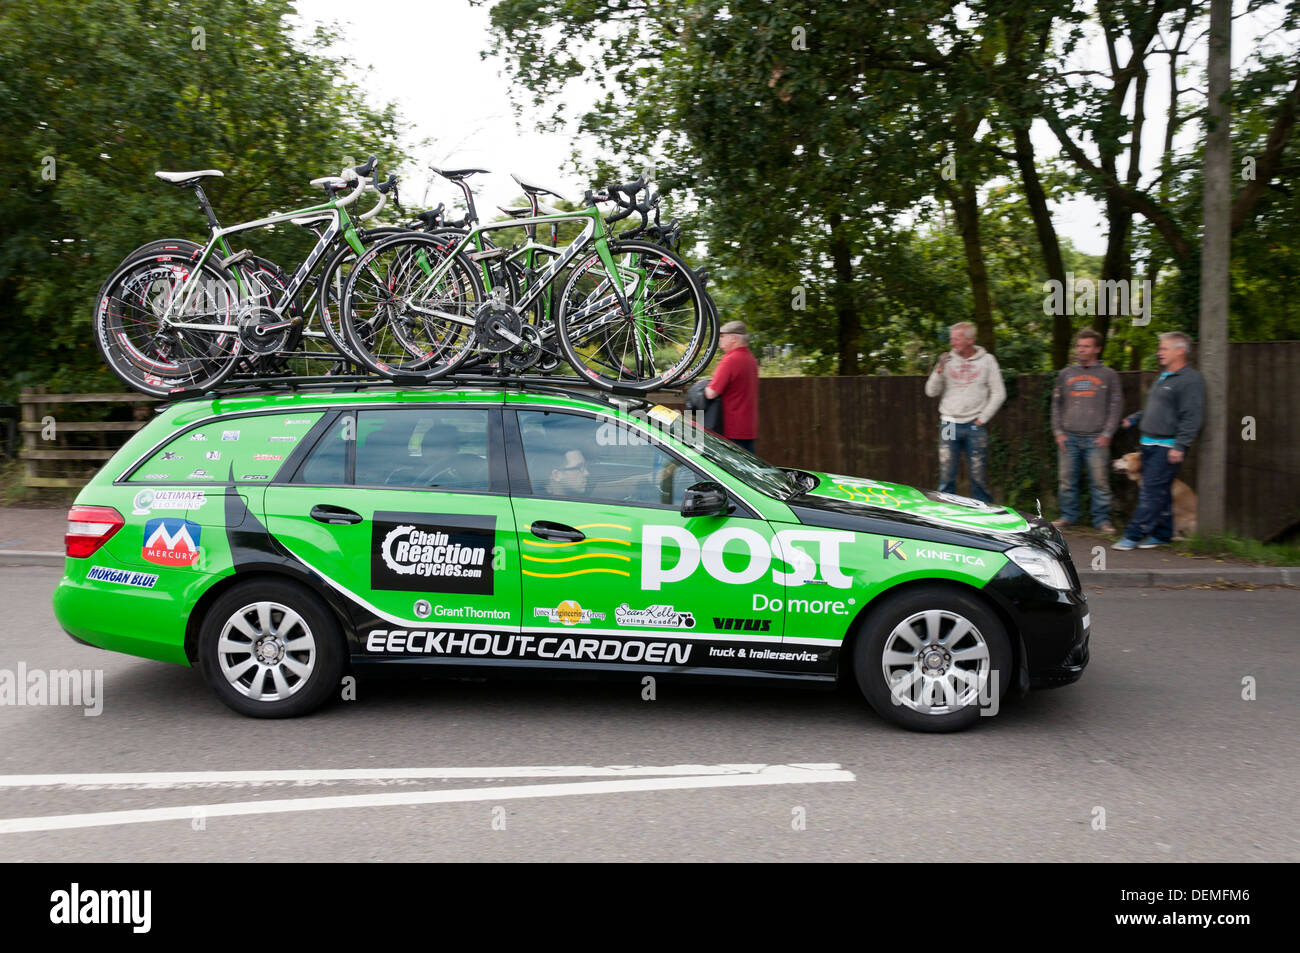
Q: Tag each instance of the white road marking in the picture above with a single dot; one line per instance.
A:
(687, 779)
(166, 779)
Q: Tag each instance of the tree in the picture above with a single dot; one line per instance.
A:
(97, 95)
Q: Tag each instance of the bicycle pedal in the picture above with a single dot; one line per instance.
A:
(236, 258)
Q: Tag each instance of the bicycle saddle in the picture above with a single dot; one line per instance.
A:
(188, 178)
(532, 189)
(456, 173)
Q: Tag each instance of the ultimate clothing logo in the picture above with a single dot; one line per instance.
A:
(171, 542)
(409, 554)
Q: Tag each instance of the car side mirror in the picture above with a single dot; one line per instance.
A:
(705, 499)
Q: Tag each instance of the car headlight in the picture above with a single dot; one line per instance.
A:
(1044, 567)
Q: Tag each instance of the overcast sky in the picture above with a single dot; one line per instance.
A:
(426, 58)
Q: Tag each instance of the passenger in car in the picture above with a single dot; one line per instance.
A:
(569, 475)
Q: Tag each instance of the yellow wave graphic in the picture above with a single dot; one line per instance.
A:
(569, 559)
(606, 525)
(576, 572)
(580, 542)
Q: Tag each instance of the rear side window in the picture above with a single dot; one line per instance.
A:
(413, 448)
(230, 450)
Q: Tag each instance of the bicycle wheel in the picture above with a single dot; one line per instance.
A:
(329, 288)
(151, 354)
(708, 347)
(403, 312)
(648, 339)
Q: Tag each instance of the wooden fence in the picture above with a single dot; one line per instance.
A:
(881, 427)
(62, 447)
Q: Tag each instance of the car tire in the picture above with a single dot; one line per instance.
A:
(933, 658)
(294, 645)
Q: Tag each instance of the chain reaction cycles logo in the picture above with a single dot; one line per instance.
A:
(412, 555)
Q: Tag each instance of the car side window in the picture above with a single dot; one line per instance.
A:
(424, 448)
(328, 461)
(230, 449)
(581, 458)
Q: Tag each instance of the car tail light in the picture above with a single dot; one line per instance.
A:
(89, 527)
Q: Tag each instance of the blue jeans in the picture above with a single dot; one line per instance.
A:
(1081, 451)
(954, 439)
(1155, 509)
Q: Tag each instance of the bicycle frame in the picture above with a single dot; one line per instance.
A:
(340, 225)
(593, 232)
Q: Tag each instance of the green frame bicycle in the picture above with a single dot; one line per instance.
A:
(416, 307)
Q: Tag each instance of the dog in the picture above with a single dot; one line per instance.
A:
(1184, 496)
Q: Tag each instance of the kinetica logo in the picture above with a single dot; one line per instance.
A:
(171, 541)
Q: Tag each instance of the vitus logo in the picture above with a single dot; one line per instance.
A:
(742, 625)
(894, 547)
(410, 554)
(171, 542)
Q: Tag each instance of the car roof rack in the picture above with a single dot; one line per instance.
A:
(575, 387)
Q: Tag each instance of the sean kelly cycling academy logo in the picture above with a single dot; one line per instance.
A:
(171, 541)
(453, 554)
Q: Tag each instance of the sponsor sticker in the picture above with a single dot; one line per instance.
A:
(123, 577)
(742, 625)
(255, 476)
(657, 616)
(230, 435)
(200, 475)
(894, 547)
(147, 500)
(171, 541)
(213, 455)
(157, 476)
(198, 436)
(171, 455)
(568, 612)
(665, 415)
(297, 423)
(282, 438)
(267, 456)
(765, 556)
(415, 552)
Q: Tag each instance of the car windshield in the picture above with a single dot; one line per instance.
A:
(743, 465)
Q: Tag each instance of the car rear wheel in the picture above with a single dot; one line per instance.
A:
(932, 659)
(270, 651)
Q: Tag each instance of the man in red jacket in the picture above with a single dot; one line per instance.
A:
(735, 380)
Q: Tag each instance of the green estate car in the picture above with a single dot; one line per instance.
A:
(279, 539)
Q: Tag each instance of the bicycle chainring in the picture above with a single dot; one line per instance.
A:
(252, 320)
(491, 317)
(522, 358)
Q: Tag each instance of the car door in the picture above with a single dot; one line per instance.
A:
(611, 571)
(404, 511)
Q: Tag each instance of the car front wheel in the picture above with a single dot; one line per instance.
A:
(269, 650)
(933, 659)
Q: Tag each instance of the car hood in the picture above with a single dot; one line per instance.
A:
(849, 501)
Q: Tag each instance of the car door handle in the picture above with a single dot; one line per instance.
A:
(548, 530)
(334, 515)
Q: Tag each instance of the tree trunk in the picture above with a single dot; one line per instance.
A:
(1047, 239)
(966, 209)
(1215, 253)
(848, 321)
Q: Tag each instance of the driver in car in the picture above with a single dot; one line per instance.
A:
(569, 476)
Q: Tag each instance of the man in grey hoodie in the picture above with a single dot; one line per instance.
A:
(1086, 406)
(969, 384)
